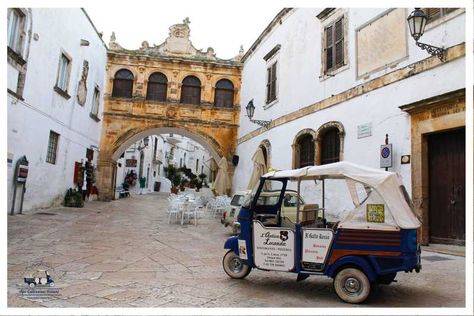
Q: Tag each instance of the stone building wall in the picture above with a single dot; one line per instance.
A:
(127, 120)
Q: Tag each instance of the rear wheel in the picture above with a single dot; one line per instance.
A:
(234, 266)
(352, 285)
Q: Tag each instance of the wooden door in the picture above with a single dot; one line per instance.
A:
(446, 156)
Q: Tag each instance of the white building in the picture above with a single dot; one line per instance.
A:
(334, 82)
(55, 82)
(148, 157)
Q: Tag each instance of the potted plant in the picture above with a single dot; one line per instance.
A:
(175, 181)
(192, 183)
(73, 198)
(184, 181)
(198, 186)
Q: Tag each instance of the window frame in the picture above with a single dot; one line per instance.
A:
(192, 88)
(330, 137)
(52, 150)
(18, 37)
(328, 19)
(335, 64)
(309, 140)
(162, 93)
(94, 113)
(116, 92)
(271, 82)
(226, 92)
(63, 88)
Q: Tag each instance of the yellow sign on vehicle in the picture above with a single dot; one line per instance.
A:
(376, 213)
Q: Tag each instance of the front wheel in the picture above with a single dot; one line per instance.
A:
(352, 285)
(234, 266)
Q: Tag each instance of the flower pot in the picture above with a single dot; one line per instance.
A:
(174, 190)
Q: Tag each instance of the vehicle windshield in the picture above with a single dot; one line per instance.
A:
(237, 200)
(269, 186)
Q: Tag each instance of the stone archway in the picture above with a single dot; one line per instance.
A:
(119, 133)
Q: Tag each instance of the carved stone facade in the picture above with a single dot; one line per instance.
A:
(129, 119)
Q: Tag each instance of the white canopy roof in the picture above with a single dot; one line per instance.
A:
(387, 184)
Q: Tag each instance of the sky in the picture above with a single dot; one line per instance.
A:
(220, 25)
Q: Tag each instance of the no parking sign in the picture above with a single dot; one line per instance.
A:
(386, 156)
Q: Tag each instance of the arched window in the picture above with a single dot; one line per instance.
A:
(123, 84)
(330, 146)
(191, 90)
(306, 150)
(330, 143)
(224, 93)
(157, 87)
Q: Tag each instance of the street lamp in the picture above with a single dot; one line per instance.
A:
(144, 141)
(417, 23)
(250, 108)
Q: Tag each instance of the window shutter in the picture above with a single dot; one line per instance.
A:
(433, 13)
(330, 146)
(339, 43)
(274, 79)
(329, 48)
(269, 76)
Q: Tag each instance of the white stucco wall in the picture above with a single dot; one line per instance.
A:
(299, 85)
(43, 109)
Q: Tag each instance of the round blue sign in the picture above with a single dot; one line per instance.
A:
(385, 152)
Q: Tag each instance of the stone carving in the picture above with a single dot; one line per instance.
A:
(113, 42)
(210, 53)
(177, 44)
(82, 88)
(240, 55)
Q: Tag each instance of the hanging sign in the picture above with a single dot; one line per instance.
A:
(386, 156)
(274, 248)
(130, 163)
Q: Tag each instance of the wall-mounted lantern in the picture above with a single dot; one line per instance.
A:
(250, 108)
(143, 144)
(417, 23)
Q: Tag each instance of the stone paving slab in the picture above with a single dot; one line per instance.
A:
(125, 254)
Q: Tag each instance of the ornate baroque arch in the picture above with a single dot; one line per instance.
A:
(319, 135)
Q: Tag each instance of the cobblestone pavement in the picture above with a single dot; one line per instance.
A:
(124, 253)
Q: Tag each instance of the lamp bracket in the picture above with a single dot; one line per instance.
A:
(265, 124)
(433, 50)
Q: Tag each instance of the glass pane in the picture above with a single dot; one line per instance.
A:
(13, 29)
(237, 200)
(63, 65)
(224, 84)
(158, 77)
(124, 74)
(191, 81)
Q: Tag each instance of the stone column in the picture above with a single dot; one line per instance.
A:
(106, 169)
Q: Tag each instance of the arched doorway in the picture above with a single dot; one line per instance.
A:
(111, 151)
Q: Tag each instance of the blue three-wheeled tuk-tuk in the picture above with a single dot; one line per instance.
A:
(373, 240)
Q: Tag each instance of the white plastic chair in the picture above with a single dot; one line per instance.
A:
(188, 210)
(173, 210)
